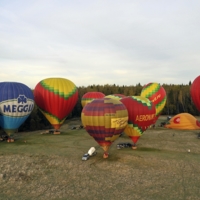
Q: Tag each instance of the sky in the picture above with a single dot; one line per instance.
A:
(121, 42)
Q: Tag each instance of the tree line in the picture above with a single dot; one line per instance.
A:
(178, 101)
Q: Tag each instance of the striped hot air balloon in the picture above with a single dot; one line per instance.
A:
(104, 119)
(89, 96)
(56, 98)
(156, 94)
(141, 114)
(16, 104)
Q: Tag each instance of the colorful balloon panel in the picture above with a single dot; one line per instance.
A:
(116, 96)
(89, 96)
(104, 119)
(157, 94)
(195, 92)
(183, 121)
(56, 98)
(141, 114)
(16, 104)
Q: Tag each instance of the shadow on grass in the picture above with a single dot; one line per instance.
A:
(147, 149)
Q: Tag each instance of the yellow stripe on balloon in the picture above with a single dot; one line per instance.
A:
(105, 121)
(59, 84)
(130, 131)
(119, 122)
(151, 88)
(52, 119)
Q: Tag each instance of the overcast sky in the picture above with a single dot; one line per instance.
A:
(122, 42)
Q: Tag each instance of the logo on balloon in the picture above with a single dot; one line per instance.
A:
(21, 105)
(119, 122)
(156, 98)
(145, 117)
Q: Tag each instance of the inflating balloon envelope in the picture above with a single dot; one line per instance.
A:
(104, 119)
(183, 121)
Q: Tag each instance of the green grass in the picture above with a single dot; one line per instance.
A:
(44, 166)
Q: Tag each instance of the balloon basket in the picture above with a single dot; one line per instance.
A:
(134, 147)
(105, 155)
(56, 132)
(10, 140)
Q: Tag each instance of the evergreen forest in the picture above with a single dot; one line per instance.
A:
(178, 101)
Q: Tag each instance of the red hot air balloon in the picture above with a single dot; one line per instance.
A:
(89, 96)
(141, 114)
(195, 92)
(104, 119)
(156, 94)
(56, 97)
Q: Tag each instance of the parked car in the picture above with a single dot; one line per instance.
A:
(91, 152)
(124, 145)
(86, 156)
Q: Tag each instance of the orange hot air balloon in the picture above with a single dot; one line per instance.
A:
(104, 119)
(183, 121)
(141, 114)
(89, 96)
(195, 92)
(157, 94)
(56, 97)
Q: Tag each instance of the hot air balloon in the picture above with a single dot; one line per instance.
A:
(141, 114)
(183, 121)
(89, 96)
(104, 119)
(195, 92)
(56, 98)
(16, 104)
(156, 93)
(116, 96)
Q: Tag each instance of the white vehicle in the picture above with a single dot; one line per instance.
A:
(92, 151)
(86, 156)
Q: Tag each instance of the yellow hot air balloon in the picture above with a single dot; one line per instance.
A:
(183, 121)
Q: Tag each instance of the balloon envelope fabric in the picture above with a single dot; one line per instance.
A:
(56, 98)
(183, 121)
(116, 96)
(16, 104)
(195, 92)
(141, 114)
(89, 96)
(156, 94)
(104, 119)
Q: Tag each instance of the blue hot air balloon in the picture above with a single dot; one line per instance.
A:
(16, 104)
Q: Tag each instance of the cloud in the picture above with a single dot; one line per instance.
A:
(100, 42)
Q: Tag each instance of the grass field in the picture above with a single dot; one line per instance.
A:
(46, 167)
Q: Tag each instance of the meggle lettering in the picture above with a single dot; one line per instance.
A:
(20, 108)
